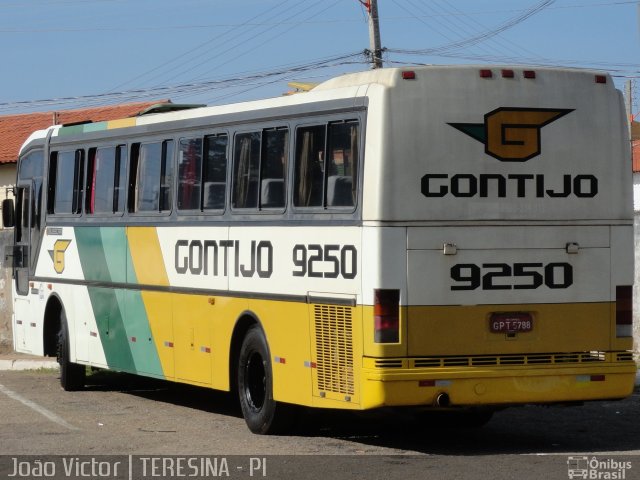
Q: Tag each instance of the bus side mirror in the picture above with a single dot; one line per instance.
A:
(8, 213)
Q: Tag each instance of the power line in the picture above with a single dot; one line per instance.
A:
(155, 28)
(261, 25)
(503, 45)
(475, 39)
(204, 61)
(190, 88)
(185, 55)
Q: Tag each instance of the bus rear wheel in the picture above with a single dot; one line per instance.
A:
(72, 375)
(261, 412)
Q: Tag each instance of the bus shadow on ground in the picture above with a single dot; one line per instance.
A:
(605, 426)
(183, 395)
(594, 427)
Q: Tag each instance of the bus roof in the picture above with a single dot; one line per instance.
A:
(345, 86)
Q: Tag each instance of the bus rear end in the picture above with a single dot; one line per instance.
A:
(498, 205)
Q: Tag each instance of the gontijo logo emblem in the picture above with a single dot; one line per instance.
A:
(512, 134)
(57, 254)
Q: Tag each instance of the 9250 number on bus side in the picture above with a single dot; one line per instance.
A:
(325, 261)
(518, 276)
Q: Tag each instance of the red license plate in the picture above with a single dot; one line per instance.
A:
(516, 322)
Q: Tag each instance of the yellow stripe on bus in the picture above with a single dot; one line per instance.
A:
(149, 267)
(147, 256)
(121, 123)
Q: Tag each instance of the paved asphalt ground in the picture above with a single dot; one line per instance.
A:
(121, 415)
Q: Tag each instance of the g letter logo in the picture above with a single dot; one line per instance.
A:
(57, 254)
(512, 134)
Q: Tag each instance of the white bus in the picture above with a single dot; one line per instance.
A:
(439, 238)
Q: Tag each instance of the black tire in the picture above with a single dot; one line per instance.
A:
(262, 413)
(72, 375)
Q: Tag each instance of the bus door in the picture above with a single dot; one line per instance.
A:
(23, 232)
(22, 236)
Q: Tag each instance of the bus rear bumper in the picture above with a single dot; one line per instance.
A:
(500, 386)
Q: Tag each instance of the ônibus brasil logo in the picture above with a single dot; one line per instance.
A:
(512, 134)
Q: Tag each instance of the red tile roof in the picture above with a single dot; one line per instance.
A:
(14, 129)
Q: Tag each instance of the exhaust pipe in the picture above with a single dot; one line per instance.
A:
(443, 400)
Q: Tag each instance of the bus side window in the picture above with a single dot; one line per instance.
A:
(342, 163)
(91, 182)
(325, 173)
(148, 179)
(103, 180)
(309, 166)
(202, 173)
(273, 166)
(189, 173)
(132, 197)
(120, 178)
(246, 170)
(66, 176)
(166, 176)
(259, 168)
(215, 172)
(153, 177)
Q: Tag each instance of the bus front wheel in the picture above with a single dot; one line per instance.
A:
(255, 387)
(72, 375)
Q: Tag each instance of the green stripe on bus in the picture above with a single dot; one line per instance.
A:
(114, 243)
(113, 334)
(92, 254)
(104, 256)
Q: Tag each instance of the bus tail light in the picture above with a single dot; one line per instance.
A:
(386, 315)
(624, 311)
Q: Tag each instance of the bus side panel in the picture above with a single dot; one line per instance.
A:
(622, 273)
(60, 257)
(291, 267)
(287, 333)
(384, 266)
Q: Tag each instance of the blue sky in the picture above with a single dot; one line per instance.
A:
(60, 54)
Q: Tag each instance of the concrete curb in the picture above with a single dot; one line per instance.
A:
(27, 364)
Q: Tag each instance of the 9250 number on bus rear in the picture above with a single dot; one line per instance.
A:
(517, 276)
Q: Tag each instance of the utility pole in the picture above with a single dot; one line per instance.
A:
(374, 33)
